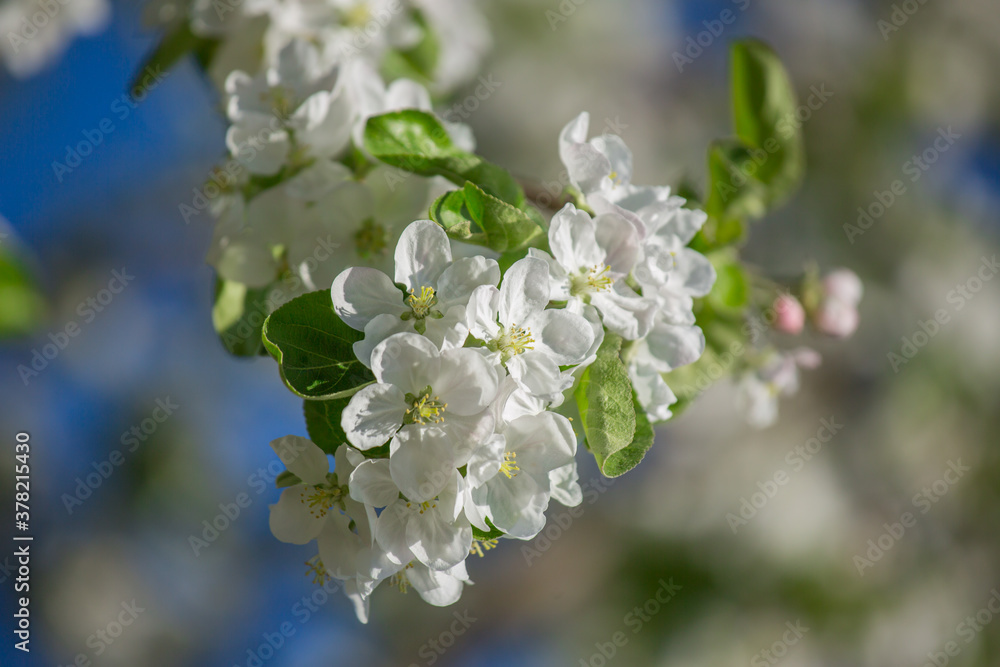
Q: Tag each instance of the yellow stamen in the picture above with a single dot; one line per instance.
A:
(321, 499)
(479, 546)
(422, 305)
(425, 409)
(512, 342)
(315, 566)
(509, 466)
(594, 279)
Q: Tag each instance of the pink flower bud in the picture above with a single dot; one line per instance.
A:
(843, 285)
(790, 315)
(836, 317)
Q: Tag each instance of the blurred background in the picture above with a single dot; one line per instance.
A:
(813, 571)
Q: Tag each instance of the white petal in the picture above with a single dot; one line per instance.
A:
(653, 393)
(377, 331)
(573, 239)
(481, 313)
(422, 460)
(684, 224)
(302, 458)
(373, 415)
(486, 461)
(390, 532)
(467, 382)
(538, 374)
(339, 547)
(258, 147)
(564, 483)
(619, 240)
(457, 281)
(422, 254)
(575, 132)
(619, 156)
(450, 331)
(371, 483)
(360, 294)
(562, 335)
(525, 291)
(543, 443)
(674, 346)
(467, 432)
(631, 317)
(436, 542)
(517, 504)
(693, 273)
(406, 360)
(292, 520)
(436, 588)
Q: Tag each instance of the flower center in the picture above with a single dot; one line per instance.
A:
(615, 179)
(400, 580)
(480, 546)
(590, 280)
(421, 307)
(371, 239)
(314, 566)
(321, 498)
(358, 15)
(424, 409)
(281, 100)
(509, 466)
(425, 506)
(511, 342)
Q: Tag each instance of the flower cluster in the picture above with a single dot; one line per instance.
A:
(456, 442)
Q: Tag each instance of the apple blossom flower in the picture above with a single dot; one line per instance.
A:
(432, 405)
(591, 258)
(760, 389)
(528, 340)
(435, 303)
(509, 478)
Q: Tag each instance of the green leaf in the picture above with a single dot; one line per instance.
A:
(764, 106)
(731, 291)
(733, 193)
(417, 142)
(22, 306)
(313, 348)
(495, 533)
(176, 43)
(323, 423)
(286, 479)
(607, 412)
(625, 459)
(474, 216)
(417, 62)
(238, 316)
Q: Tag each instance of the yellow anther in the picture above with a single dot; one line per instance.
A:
(588, 281)
(509, 466)
(479, 546)
(315, 567)
(423, 304)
